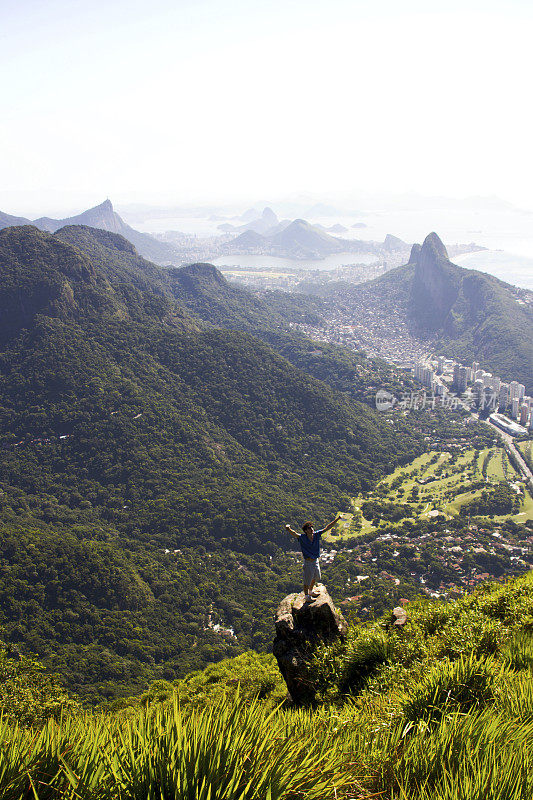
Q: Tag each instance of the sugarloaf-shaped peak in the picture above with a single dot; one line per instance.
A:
(433, 248)
(269, 217)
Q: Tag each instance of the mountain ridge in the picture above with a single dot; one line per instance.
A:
(104, 217)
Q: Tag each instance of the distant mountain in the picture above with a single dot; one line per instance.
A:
(302, 240)
(463, 313)
(247, 241)
(305, 240)
(250, 214)
(260, 224)
(7, 219)
(391, 243)
(474, 316)
(266, 221)
(297, 239)
(103, 216)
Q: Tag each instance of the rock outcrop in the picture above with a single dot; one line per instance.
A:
(300, 627)
(436, 284)
(398, 617)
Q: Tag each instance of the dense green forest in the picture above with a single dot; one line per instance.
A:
(149, 460)
(150, 457)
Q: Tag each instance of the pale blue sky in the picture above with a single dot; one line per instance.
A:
(208, 100)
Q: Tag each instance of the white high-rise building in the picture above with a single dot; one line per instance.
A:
(515, 405)
(425, 375)
(504, 395)
(478, 389)
(514, 390)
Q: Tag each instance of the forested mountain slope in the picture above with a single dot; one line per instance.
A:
(127, 429)
(206, 294)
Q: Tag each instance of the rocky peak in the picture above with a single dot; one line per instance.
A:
(435, 285)
(300, 627)
(415, 254)
(391, 243)
(433, 249)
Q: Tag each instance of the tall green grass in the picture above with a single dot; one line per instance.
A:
(235, 752)
(442, 710)
(224, 752)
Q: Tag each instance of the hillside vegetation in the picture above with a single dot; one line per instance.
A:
(142, 451)
(439, 710)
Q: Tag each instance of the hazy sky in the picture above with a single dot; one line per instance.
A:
(221, 99)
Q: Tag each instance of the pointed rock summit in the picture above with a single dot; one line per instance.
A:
(435, 285)
(415, 254)
(269, 217)
(433, 247)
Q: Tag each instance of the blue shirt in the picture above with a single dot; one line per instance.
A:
(310, 549)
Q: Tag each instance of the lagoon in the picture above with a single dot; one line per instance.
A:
(333, 261)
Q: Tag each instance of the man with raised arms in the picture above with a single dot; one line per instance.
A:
(310, 545)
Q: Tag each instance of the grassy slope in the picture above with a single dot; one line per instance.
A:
(440, 710)
(446, 494)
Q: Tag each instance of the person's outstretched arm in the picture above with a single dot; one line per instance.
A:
(332, 523)
(292, 532)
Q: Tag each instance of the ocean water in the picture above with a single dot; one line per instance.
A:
(509, 267)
